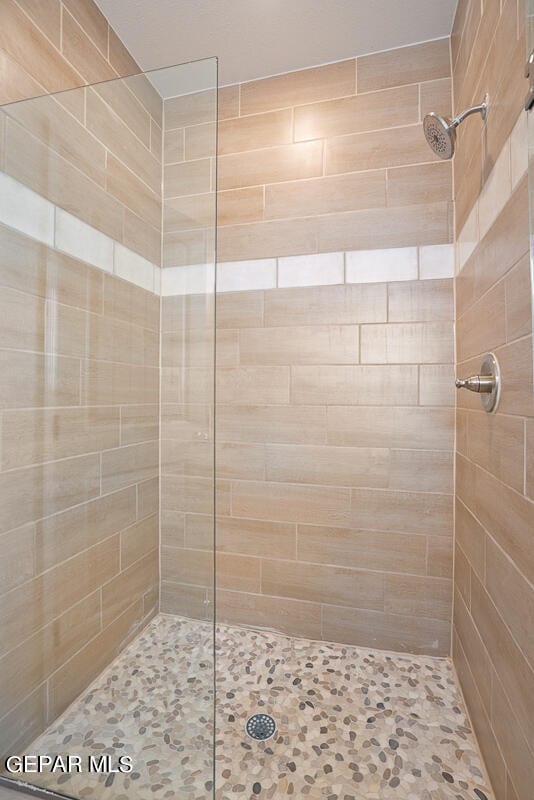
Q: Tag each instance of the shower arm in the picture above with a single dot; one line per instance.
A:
(482, 109)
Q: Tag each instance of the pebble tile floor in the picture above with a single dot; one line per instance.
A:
(352, 724)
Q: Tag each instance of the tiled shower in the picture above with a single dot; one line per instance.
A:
(236, 476)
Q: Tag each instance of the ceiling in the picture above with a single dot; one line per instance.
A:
(256, 38)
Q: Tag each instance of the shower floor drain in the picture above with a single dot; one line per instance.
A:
(261, 726)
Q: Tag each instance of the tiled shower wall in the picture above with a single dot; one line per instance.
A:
(335, 419)
(79, 327)
(494, 566)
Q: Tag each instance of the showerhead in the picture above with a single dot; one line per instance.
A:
(440, 132)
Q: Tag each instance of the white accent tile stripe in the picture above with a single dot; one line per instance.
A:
(133, 267)
(31, 214)
(25, 210)
(193, 279)
(238, 276)
(82, 241)
(436, 261)
(379, 266)
(322, 269)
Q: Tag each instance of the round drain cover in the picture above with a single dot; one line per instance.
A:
(261, 726)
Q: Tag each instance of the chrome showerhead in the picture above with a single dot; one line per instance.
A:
(440, 132)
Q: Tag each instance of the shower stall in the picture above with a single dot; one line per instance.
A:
(236, 555)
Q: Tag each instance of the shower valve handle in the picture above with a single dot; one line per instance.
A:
(477, 383)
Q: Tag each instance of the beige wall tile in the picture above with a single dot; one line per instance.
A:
(253, 385)
(497, 444)
(200, 141)
(139, 540)
(126, 465)
(35, 492)
(386, 631)
(67, 683)
(238, 572)
(128, 586)
(518, 301)
(147, 497)
(139, 423)
(361, 385)
(302, 86)
(270, 165)
(72, 531)
(122, 184)
(367, 112)
(173, 146)
(256, 537)
(47, 16)
(362, 549)
(418, 342)
(401, 226)
(425, 183)
(29, 719)
(240, 205)
(119, 57)
(29, 664)
(272, 423)
(267, 240)
(45, 118)
(325, 584)
(41, 169)
(228, 102)
(193, 177)
(418, 597)
(293, 617)
(421, 301)
(436, 95)
(291, 503)
(376, 150)
(420, 428)
(27, 46)
(80, 51)
(18, 563)
(332, 305)
(320, 344)
(191, 211)
(188, 566)
(410, 512)
(326, 195)
(253, 132)
(510, 591)
(185, 600)
(190, 109)
(420, 62)
(92, 21)
(29, 437)
(52, 593)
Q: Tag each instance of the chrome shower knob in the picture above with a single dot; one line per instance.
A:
(477, 383)
(487, 383)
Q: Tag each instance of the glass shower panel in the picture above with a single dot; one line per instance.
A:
(107, 242)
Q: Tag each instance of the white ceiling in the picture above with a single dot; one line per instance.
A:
(256, 38)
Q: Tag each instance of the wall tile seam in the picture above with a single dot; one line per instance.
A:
(49, 238)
